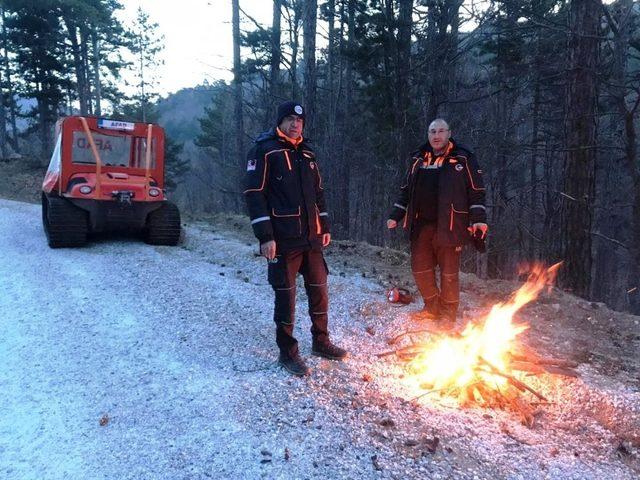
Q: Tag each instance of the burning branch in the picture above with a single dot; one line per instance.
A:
(512, 380)
(482, 364)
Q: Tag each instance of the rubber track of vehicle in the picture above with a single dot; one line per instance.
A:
(67, 224)
(163, 226)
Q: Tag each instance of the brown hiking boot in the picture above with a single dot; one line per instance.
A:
(447, 325)
(294, 364)
(425, 315)
(328, 350)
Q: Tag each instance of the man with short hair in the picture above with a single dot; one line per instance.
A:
(285, 198)
(442, 203)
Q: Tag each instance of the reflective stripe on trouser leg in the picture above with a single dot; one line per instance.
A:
(426, 282)
(449, 295)
(284, 314)
(282, 277)
(314, 270)
(449, 261)
(318, 310)
(423, 264)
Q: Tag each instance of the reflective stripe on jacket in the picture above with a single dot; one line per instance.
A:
(461, 195)
(284, 193)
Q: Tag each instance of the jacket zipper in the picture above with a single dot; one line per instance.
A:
(302, 196)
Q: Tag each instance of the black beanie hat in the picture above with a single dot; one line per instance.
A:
(289, 108)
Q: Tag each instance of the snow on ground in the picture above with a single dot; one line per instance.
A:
(126, 361)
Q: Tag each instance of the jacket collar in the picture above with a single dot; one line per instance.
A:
(428, 149)
(292, 141)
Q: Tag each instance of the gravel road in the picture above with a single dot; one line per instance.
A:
(126, 361)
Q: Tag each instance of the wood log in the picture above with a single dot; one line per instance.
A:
(395, 339)
(514, 381)
(526, 354)
(526, 412)
(410, 350)
(527, 367)
(555, 370)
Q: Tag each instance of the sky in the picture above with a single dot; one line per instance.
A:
(197, 37)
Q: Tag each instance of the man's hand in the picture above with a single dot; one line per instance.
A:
(326, 239)
(391, 224)
(479, 227)
(268, 249)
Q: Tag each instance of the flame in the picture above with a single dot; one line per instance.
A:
(458, 362)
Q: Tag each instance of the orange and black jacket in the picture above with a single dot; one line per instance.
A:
(461, 193)
(284, 193)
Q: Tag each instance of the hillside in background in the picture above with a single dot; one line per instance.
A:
(180, 111)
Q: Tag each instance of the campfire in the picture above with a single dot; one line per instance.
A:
(485, 365)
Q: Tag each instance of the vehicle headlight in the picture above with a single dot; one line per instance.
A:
(154, 192)
(86, 189)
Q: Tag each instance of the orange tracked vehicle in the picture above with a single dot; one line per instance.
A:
(107, 175)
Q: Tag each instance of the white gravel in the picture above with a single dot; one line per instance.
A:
(173, 348)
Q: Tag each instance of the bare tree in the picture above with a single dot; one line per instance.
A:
(625, 93)
(580, 125)
(294, 15)
(237, 82)
(276, 57)
(9, 98)
(403, 62)
(97, 88)
(3, 120)
(73, 33)
(310, 14)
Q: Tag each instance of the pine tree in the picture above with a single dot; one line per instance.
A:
(146, 45)
(95, 38)
(35, 31)
(8, 84)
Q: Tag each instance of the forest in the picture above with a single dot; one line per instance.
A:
(545, 92)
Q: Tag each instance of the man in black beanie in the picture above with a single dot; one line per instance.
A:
(286, 205)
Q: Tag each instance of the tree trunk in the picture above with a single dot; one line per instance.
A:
(345, 116)
(96, 72)
(44, 127)
(3, 120)
(351, 41)
(390, 54)
(331, 56)
(431, 82)
(533, 170)
(143, 95)
(533, 162)
(581, 98)
(622, 37)
(10, 95)
(294, 49)
(405, 25)
(453, 41)
(78, 64)
(276, 55)
(237, 84)
(85, 67)
(330, 83)
(631, 150)
(310, 73)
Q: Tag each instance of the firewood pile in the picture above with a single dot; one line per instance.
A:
(484, 365)
(490, 386)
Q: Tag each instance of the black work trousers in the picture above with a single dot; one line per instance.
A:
(426, 255)
(282, 277)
